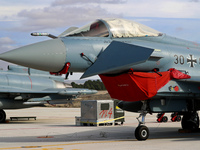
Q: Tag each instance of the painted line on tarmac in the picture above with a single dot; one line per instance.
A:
(65, 144)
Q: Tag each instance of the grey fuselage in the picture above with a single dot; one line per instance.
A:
(167, 52)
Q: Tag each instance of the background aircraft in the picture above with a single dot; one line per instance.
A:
(149, 71)
(22, 87)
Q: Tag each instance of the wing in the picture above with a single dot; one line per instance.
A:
(118, 56)
(19, 94)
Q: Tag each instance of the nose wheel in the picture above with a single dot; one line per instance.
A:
(141, 133)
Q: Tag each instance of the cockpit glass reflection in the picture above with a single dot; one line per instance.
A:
(96, 29)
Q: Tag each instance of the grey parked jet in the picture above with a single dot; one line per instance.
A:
(22, 87)
(149, 71)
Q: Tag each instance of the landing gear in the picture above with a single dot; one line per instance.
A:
(142, 132)
(2, 116)
(190, 121)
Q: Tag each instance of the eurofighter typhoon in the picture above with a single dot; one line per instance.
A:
(149, 71)
(22, 87)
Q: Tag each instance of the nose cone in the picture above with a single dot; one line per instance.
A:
(48, 55)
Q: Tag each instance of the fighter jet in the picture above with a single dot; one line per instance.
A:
(22, 87)
(149, 71)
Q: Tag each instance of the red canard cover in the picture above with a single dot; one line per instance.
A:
(137, 86)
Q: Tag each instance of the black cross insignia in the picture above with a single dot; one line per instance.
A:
(191, 61)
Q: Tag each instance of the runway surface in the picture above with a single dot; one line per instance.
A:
(55, 129)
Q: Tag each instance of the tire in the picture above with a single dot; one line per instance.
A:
(2, 116)
(141, 133)
(190, 121)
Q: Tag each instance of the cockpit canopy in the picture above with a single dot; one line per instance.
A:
(116, 28)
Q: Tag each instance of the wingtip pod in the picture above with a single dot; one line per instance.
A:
(48, 55)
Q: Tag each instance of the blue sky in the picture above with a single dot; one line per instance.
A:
(180, 18)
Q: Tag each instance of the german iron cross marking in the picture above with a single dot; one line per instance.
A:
(191, 60)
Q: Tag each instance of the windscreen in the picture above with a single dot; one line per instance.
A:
(96, 29)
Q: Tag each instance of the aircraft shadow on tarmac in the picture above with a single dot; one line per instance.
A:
(23, 122)
(121, 133)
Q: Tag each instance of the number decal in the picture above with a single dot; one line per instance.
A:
(105, 113)
(181, 59)
(191, 60)
(176, 59)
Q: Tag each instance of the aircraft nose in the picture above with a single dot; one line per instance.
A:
(48, 55)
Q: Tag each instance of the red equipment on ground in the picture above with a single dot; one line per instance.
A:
(162, 118)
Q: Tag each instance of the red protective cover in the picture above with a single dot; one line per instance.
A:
(136, 86)
(175, 74)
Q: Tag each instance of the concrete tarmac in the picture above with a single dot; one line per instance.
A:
(55, 129)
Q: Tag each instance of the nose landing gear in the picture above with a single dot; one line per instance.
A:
(142, 132)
